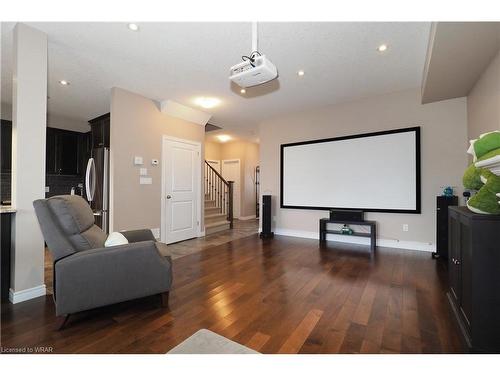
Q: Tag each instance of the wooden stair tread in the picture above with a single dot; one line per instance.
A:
(217, 224)
(210, 216)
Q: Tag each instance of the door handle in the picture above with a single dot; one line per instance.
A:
(169, 196)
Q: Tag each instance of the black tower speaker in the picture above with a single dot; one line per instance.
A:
(266, 217)
(442, 204)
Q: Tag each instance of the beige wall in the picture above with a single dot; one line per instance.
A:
(483, 102)
(443, 156)
(137, 127)
(248, 154)
(212, 150)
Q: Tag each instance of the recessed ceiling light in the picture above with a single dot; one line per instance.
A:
(133, 26)
(207, 102)
(64, 82)
(300, 73)
(243, 91)
(382, 48)
(223, 137)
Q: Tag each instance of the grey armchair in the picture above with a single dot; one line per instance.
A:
(87, 274)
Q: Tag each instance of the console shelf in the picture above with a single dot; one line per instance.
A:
(323, 231)
(354, 234)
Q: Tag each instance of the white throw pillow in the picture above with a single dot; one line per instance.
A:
(115, 239)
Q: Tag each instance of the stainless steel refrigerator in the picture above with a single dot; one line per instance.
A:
(97, 186)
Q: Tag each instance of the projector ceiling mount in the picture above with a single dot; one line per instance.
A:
(255, 69)
(255, 49)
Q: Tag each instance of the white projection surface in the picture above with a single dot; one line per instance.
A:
(376, 172)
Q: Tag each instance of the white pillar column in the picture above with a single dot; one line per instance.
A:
(29, 113)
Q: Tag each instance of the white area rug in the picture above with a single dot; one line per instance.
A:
(208, 342)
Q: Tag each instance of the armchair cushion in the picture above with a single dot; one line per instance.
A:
(104, 276)
(72, 212)
(138, 235)
(58, 243)
(76, 219)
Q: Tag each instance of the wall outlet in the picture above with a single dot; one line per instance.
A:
(405, 227)
(138, 160)
(47, 189)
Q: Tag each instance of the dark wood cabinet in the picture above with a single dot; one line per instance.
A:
(50, 154)
(67, 149)
(442, 204)
(67, 152)
(100, 131)
(474, 276)
(6, 136)
(5, 232)
(85, 150)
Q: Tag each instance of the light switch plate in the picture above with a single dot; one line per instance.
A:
(138, 160)
(145, 180)
(143, 171)
(47, 189)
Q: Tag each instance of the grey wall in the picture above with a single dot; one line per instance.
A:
(443, 147)
(137, 127)
(483, 102)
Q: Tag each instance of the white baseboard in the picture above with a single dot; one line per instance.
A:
(382, 242)
(27, 294)
(246, 217)
(156, 232)
(202, 233)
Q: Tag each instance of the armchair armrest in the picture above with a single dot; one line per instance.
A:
(104, 276)
(138, 235)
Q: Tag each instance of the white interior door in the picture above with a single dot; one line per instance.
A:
(231, 172)
(181, 190)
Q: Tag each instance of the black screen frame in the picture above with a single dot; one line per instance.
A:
(418, 197)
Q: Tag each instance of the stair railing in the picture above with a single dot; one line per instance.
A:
(220, 191)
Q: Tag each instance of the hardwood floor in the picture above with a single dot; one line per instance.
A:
(285, 295)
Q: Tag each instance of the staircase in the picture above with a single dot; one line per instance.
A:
(218, 201)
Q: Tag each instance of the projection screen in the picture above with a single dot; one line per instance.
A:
(374, 172)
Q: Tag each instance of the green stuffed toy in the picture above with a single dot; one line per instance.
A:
(483, 175)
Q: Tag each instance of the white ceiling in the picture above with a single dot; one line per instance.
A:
(181, 61)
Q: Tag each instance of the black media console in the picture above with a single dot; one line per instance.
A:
(323, 230)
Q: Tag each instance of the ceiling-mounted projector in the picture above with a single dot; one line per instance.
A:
(251, 73)
(255, 69)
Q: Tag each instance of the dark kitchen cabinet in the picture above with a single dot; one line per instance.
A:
(67, 149)
(85, 150)
(5, 232)
(66, 153)
(100, 131)
(50, 154)
(474, 264)
(6, 135)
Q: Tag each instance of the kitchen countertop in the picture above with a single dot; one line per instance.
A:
(7, 209)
